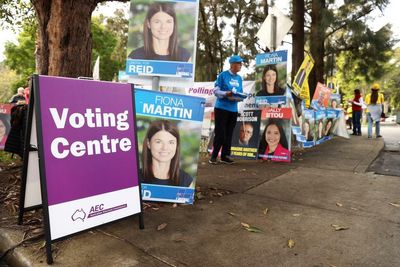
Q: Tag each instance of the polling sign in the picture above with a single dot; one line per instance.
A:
(87, 153)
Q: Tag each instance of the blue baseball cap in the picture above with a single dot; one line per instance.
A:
(235, 59)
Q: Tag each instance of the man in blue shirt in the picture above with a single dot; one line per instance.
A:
(226, 110)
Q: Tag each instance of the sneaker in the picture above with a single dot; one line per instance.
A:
(213, 161)
(227, 160)
(379, 136)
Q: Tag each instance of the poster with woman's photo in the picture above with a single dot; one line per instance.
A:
(330, 122)
(162, 38)
(319, 126)
(275, 134)
(246, 134)
(169, 131)
(334, 101)
(271, 76)
(5, 125)
(307, 129)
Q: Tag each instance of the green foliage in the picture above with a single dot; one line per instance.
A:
(8, 77)
(16, 13)
(21, 57)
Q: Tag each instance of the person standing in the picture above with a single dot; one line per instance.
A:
(374, 102)
(356, 107)
(226, 110)
(18, 97)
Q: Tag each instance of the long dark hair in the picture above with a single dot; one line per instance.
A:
(148, 38)
(277, 89)
(263, 143)
(6, 123)
(147, 159)
(374, 96)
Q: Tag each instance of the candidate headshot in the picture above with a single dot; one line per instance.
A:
(161, 156)
(160, 35)
(274, 142)
(245, 133)
(270, 82)
(306, 130)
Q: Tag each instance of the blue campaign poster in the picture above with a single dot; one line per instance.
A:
(308, 126)
(169, 133)
(319, 126)
(162, 38)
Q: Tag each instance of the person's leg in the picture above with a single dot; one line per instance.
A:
(219, 130)
(378, 129)
(369, 119)
(358, 122)
(230, 126)
(354, 122)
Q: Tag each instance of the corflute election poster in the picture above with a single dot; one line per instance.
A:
(169, 131)
(88, 154)
(275, 134)
(162, 38)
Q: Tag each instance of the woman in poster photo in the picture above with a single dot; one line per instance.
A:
(307, 132)
(160, 35)
(4, 129)
(328, 127)
(273, 142)
(320, 129)
(269, 83)
(161, 156)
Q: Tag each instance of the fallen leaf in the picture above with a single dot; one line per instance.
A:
(265, 211)
(220, 194)
(231, 213)
(290, 243)
(296, 214)
(253, 229)
(175, 205)
(339, 204)
(395, 204)
(245, 225)
(353, 208)
(161, 226)
(211, 202)
(339, 227)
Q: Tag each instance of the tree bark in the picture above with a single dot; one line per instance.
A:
(298, 35)
(65, 45)
(317, 43)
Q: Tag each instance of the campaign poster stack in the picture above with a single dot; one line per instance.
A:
(308, 125)
(5, 125)
(169, 131)
(275, 134)
(246, 134)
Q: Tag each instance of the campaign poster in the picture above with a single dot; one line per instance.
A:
(334, 101)
(5, 124)
(246, 134)
(162, 38)
(321, 97)
(319, 133)
(271, 76)
(330, 122)
(87, 153)
(169, 130)
(275, 134)
(301, 78)
(308, 125)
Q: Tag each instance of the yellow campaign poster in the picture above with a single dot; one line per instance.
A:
(302, 75)
(305, 93)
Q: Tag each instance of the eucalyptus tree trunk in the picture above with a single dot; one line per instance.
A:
(298, 35)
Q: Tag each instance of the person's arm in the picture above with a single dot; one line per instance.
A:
(218, 92)
(360, 103)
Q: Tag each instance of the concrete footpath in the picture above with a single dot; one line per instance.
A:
(324, 205)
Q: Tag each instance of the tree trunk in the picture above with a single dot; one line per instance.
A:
(298, 35)
(65, 45)
(317, 43)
